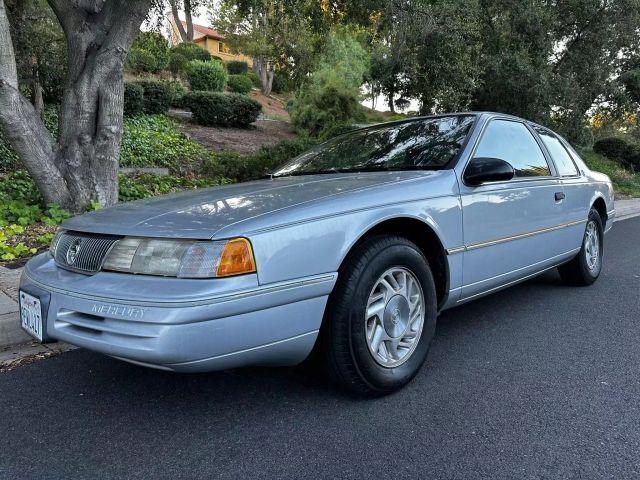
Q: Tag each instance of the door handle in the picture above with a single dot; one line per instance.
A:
(559, 196)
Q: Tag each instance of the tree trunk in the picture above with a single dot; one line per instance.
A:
(266, 76)
(82, 166)
(188, 18)
(185, 35)
(36, 93)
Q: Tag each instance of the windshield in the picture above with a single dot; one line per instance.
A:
(427, 144)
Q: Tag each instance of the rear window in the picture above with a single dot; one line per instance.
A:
(559, 154)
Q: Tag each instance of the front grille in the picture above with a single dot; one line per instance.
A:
(83, 252)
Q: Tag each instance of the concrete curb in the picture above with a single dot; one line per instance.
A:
(12, 334)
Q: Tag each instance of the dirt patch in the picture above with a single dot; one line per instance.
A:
(265, 132)
(272, 106)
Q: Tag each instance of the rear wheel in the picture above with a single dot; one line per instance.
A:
(585, 268)
(381, 317)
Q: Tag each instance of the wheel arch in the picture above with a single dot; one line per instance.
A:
(424, 236)
(600, 205)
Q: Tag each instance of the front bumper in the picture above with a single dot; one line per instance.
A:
(181, 325)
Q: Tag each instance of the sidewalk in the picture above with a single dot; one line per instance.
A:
(11, 333)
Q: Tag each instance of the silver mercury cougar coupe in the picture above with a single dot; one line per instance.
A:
(350, 249)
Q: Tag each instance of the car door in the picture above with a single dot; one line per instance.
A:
(578, 192)
(511, 228)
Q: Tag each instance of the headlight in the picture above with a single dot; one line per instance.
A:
(181, 258)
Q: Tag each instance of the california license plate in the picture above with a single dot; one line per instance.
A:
(31, 315)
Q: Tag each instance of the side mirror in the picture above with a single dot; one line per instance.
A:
(481, 170)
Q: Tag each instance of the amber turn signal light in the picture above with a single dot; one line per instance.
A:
(237, 258)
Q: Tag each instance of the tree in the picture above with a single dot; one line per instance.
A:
(81, 166)
(330, 99)
(187, 7)
(40, 51)
(275, 34)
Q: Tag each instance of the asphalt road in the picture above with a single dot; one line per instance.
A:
(538, 381)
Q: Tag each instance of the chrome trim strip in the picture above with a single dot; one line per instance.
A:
(315, 280)
(474, 246)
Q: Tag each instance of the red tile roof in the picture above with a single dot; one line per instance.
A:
(207, 32)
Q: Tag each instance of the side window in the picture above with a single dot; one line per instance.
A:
(559, 154)
(512, 142)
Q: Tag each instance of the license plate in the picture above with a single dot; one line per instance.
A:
(31, 315)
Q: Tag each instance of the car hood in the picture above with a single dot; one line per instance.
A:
(199, 214)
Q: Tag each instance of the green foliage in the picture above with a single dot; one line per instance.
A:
(141, 61)
(626, 183)
(331, 99)
(156, 141)
(255, 79)
(250, 167)
(237, 67)
(177, 64)
(240, 84)
(225, 110)
(178, 91)
(40, 49)
(280, 82)
(149, 53)
(133, 99)
(631, 82)
(206, 76)
(157, 96)
(191, 51)
(625, 150)
(136, 187)
(10, 251)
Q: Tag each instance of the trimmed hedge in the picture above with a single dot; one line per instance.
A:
(157, 96)
(237, 67)
(133, 99)
(240, 84)
(191, 51)
(624, 150)
(225, 110)
(206, 76)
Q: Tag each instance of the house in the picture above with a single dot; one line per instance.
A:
(208, 39)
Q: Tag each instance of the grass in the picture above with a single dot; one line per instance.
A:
(626, 183)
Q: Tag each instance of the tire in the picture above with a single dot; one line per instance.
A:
(349, 337)
(585, 268)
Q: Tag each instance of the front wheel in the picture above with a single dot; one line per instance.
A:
(381, 317)
(585, 268)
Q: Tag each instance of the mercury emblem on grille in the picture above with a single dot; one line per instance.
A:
(74, 250)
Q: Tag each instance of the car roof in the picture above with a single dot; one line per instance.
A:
(440, 115)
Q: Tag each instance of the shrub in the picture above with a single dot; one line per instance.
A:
(156, 141)
(149, 53)
(237, 67)
(240, 84)
(191, 51)
(178, 91)
(227, 110)
(177, 64)
(257, 165)
(623, 149)
(133, 99)
(140, 61)
(280, 83)
(157, 96)
(206, 76)
(135, 187)
(253, 76)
